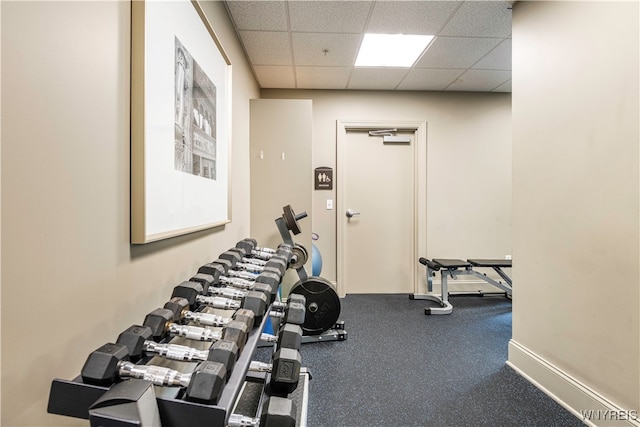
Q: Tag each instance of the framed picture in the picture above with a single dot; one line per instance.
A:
(180, 122)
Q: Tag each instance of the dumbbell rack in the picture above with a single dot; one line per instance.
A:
(74, 398)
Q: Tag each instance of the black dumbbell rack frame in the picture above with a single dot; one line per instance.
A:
(73, 398)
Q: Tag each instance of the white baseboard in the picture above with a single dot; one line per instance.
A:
(590, 407)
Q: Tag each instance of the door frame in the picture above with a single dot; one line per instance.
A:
(419, 128)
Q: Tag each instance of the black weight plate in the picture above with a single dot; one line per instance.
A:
(322, 306)
(290, 219)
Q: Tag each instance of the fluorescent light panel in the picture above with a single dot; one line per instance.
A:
(391, 50)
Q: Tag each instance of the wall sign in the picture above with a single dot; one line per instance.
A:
(323, 178)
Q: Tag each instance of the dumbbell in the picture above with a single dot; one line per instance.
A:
(192, 291)
(284, 368)
(289, 336)
(110, 362)
(137, 340)
(180, 308)
(162, 324)
(276, 411)
(267, 282)
(251, 249)
(277, 263)
(139, 343)
(208, 280)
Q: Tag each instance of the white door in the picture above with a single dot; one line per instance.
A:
(378, 208)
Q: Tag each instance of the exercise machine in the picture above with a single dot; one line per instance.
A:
(453, 268)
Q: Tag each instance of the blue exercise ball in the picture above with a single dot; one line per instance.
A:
(316, 258)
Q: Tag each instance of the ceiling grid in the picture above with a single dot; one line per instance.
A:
(306, 44)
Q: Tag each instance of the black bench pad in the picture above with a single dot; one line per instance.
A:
(432, 265)
(490, 262)
(451, 263)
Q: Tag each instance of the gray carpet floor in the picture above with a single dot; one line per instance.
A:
(399, 367)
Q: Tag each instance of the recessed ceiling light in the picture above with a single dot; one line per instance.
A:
(391, 50)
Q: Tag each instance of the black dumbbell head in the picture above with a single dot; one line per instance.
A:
(158, 320)
(207, 382)
(178, 306)
(225, 352)
(224, 263)
(189, 291)
(133, 338)
(279, 263)
(245, 316)
(101, 367)
(285, 252)
(236, 331)
(294, 313)
(214, 270)
(241, 253)
(266, 289)
(246, 246)
(271, 279)
(205, 280)
(289, 336)
(285, 373)
(278, 412)
(297, 298)
(231, 256)
(256, 302)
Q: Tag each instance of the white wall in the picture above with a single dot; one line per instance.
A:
(70, 279)
(468, 165)
(576, 200)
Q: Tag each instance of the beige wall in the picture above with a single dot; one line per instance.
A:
(576, 196)
(70, 279)
(468, 165)
(281, 172)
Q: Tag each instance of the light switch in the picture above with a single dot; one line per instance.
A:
(329, 204)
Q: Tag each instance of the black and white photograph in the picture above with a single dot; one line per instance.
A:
(195, 116)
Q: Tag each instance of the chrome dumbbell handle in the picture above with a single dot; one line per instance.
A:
(255, 261)
(158, 375)
(195, 333)
(268, 338)
(176, 352)
(206, 319)
(246, 274)
(218, 302)
(237, 282)
(249, 267)
(237, 420)
(261, 256)
(227, 292)
(257, 366)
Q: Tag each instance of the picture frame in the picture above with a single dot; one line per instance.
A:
(180, 122)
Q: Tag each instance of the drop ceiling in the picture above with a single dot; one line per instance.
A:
(303, 44)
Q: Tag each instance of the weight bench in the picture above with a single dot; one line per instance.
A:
(457, 267)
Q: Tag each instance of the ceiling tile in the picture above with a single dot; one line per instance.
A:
(480, 19)
(329, 16)
(410, 17)
(259, 15)
(505, 87)
(480, 80)
(275, 76)
(322, 77)
(376, 78)
(498, 59)
(308, 49)
(456, 52)
(428, 79)
(267, 48)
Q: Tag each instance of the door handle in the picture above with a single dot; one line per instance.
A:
(351, 213)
